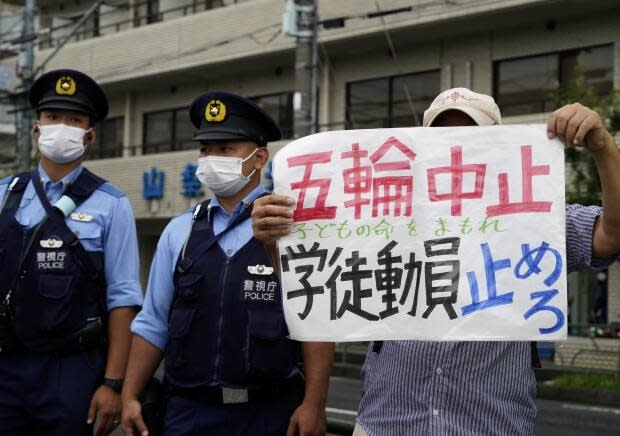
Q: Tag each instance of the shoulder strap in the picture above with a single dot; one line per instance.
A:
(83, 186)
(15, 192)
(57, 216)
(186, 262)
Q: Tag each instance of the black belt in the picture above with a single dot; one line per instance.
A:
(90, 337)
(219, 395)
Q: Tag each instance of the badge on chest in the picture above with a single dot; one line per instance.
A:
(51, 260)
(259, 285)
(50, 255)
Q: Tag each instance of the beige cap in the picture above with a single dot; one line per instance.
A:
(481, 108)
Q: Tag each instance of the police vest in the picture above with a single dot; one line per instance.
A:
(226, 325)
(52, 284)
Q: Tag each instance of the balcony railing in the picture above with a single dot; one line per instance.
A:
(141, 13)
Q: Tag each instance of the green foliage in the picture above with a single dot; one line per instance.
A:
(589, 381)
(583, 185)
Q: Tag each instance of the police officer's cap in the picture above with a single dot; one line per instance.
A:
(70, 90)
(220, 115)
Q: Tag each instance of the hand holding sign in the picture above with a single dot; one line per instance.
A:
(272, 217)
(576, 124)
(421, 234)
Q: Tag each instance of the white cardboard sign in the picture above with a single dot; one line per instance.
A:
(424, 233)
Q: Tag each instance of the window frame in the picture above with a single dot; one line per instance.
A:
(99, 152)
(390, 113)
(172, 139)
(289, 94)
(559, 79)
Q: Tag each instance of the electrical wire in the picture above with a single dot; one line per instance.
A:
(399, 66)
(178, 55)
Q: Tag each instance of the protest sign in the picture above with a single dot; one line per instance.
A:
(424, 233)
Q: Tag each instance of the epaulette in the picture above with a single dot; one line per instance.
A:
(108, 188)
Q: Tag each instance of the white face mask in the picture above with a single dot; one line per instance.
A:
(61, 143)
(223, 175)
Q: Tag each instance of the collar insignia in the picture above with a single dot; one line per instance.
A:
(82, 217)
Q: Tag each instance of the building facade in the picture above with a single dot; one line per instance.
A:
(153, 57)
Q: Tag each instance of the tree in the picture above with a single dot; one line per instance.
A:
(583, 184)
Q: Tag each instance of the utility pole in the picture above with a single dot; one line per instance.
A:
(306, 59)
(27, 73)
(25, 70)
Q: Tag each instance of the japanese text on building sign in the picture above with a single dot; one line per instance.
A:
(424, 233)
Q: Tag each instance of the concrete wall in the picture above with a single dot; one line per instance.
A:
(166, 65)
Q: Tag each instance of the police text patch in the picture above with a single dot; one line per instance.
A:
(51, 260)
(260, 291)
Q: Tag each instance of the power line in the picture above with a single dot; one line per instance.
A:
(254, 34)
(178, 55)
(388, 37)
(336, 22)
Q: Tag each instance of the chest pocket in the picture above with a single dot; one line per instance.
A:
(182, 315)
(57, 313)
(270, 354)
(188, 286)
(90, 234)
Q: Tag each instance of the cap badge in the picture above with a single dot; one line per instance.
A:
(215, 111)
(65, 86)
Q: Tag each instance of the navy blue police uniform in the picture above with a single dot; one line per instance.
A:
(214, 304)
(59, 277)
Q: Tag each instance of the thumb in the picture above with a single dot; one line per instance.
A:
(292, 426)
(92, 411)
(140, 425)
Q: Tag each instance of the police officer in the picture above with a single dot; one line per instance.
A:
(213, 306)
(68, 274)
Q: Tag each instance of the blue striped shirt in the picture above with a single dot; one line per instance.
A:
(463, 388)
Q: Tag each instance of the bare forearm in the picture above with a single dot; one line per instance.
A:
(144, 358)
(318, 359)
(272, 252)
(119, 339)
(607, 233)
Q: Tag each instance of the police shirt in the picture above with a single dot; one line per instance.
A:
(151, 323)
(103, 223)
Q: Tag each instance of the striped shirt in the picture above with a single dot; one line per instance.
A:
(463, 388)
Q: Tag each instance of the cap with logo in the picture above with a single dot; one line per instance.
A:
(220, 115)
(481, 108)
(69, 90)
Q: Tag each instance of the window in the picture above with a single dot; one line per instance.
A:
(168, 130)
(280, 108)
(152, 11)
(526, 85)
(108, 139)
(397, 101)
